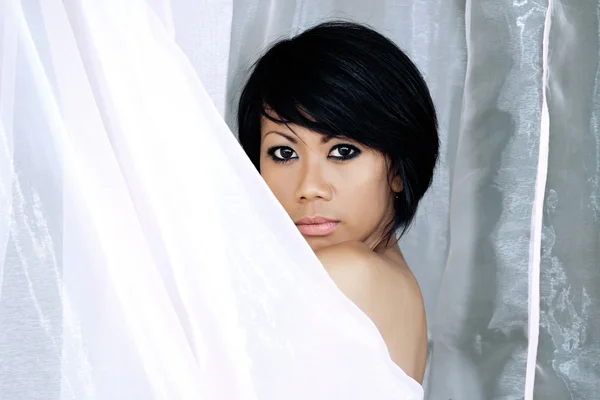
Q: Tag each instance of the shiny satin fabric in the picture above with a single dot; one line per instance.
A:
(568, 362)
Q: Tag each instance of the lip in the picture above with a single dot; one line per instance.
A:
(316, 226)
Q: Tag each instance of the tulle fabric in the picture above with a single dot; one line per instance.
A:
(142, 255)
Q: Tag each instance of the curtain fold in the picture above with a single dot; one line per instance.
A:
(569, 349)
(481, 324)
(145, 257)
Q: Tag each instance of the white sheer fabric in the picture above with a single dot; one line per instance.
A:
(143, 256)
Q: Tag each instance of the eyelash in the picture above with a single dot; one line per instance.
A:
(354, 153)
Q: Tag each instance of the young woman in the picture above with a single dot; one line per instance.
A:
(341, 126)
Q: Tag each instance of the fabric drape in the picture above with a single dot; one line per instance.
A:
(143, 255)
(139, 258)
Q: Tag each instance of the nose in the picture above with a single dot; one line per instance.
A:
(313, 184)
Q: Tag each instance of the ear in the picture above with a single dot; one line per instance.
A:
(397, 184)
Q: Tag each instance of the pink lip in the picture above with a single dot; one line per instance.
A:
(316, 226)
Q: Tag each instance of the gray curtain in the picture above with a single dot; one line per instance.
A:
(484, 241)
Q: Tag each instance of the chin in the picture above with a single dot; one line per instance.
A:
(319, 242)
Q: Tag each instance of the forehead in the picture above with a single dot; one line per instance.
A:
(292, 132)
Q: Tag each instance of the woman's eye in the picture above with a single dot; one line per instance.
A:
(282, 154)
(344, 152)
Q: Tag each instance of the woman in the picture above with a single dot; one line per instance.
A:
(342, 128)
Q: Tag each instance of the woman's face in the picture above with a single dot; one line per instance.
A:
(335, 190)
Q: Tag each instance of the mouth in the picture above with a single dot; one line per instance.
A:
(316, 226)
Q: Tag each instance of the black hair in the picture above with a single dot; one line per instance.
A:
(343, 79)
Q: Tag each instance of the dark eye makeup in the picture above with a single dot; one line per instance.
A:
(340, 152)
(343, 152)
(282, 154)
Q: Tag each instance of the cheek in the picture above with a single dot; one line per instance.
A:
(369, 180)
(368, 192)
(278, 182)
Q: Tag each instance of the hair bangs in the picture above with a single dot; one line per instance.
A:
(283, 101)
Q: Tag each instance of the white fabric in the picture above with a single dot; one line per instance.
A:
(144, 257)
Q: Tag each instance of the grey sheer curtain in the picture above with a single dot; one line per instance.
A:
(506, 245)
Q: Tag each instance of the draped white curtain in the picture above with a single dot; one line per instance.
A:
(143, 255)
(141, 259)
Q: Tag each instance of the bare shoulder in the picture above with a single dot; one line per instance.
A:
(351, 263)
(354, 267)
(388, 294)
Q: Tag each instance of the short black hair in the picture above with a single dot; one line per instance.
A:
(343, 79)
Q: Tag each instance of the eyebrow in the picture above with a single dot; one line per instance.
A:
(324, 138)
(288, 137)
